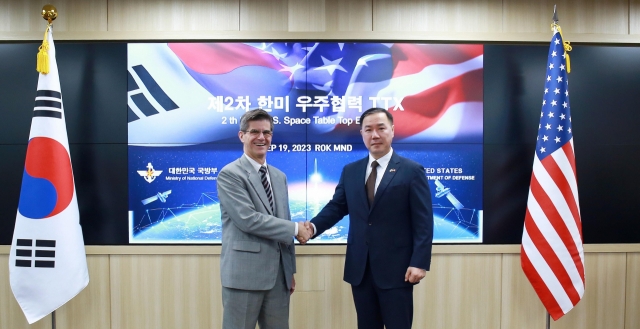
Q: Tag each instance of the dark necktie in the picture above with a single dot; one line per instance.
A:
(267, 188)
(371, 183)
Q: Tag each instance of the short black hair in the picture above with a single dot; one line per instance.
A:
(375, 110)
(255, 115)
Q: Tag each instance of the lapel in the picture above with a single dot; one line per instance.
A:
(361, 176)
(279, 188)
(256, 182)
(392, 168)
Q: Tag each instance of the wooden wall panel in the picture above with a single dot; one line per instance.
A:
(521, 307)
(306, 15)
(352, 15)
(322, 301)
(187, 15)
(264, 15)
(91, 308)
(11, 315)
(460, 291)
(310, 274)
(602, 305)
(165, 292)
(82, 15)
(575, 16)
(632, 304)
(634, 16)
(73, 15)
(437, 16)
(586, 21)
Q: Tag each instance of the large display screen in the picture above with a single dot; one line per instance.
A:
(185, 101)
(94, 90)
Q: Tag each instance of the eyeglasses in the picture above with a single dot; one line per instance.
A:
(256, 132)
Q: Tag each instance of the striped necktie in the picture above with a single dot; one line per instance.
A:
(267, 187)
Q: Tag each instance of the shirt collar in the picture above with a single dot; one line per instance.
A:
(383, 161)
(255, 164)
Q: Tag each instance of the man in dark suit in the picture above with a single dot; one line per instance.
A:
(257, 261)
(388, 201)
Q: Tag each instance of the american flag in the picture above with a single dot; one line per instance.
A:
(552, 255)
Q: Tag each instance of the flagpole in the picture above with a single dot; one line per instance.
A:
(50, 13)
(555, 21)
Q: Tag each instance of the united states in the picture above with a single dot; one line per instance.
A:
(552, 254)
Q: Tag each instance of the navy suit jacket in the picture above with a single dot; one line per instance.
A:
(397, 232)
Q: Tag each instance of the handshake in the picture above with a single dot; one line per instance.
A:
(305, 232)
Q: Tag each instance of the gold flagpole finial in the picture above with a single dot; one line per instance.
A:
(49, 13)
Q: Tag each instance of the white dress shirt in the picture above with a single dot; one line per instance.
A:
(383, 162)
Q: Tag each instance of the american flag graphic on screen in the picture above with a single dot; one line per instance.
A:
(552, 255)
(178, 90)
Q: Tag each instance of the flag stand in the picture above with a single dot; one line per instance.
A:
(548, 321)
(53, 320)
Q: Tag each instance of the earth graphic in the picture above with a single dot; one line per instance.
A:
(203, 225)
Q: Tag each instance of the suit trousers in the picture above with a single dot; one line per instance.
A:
(377, 308)
(269, 308)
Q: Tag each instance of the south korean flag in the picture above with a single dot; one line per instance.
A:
(47, 264)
